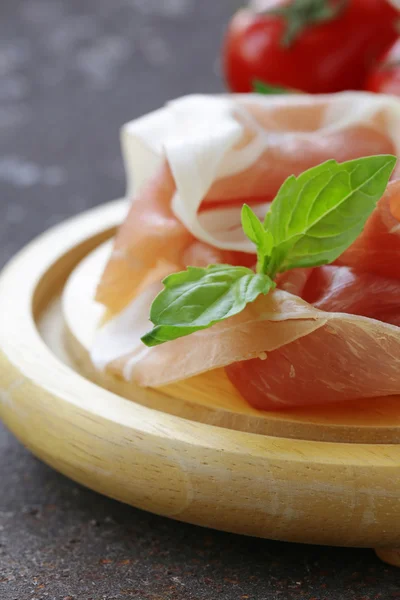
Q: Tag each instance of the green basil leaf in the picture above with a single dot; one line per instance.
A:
(200, 297)
(318, 215)
(313, 219)
(265, 88)
(256, 232)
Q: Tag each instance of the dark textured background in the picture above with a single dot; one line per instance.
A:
(71, 72)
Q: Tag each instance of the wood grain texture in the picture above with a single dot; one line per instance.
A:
(290, 489)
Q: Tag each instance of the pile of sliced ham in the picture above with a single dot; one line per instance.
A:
(327, 334)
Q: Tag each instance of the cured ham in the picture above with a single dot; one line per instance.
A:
(190, 167)
(377, 249)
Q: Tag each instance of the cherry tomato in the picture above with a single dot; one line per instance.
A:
(317, 46)
(385, 76)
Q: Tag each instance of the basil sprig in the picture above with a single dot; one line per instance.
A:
(313, 219)
(202, 297)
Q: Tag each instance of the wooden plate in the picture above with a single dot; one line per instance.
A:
(322, 492)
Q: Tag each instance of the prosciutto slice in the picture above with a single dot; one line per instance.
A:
(326, 335)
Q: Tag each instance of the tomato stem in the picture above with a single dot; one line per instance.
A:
(261, 87)
(301, 14)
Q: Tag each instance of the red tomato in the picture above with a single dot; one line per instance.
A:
(385, 76)
(316, 46)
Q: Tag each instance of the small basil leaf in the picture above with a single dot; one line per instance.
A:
(318, 215)
(200, 297)
(255, 231)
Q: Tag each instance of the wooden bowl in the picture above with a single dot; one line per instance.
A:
(324, 477)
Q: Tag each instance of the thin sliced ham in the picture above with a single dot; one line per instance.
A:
(262, 327)
(377, 249)
(225, 150)
(152, 243)
(350, 356)
(346, 290)
(190, 167)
